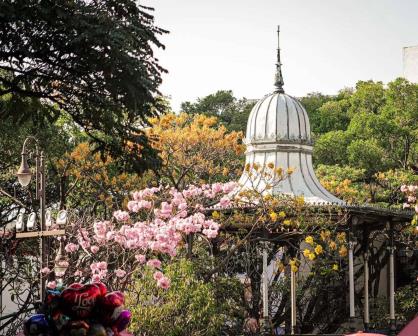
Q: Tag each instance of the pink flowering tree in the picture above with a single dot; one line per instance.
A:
(411, 195)
(147, 234)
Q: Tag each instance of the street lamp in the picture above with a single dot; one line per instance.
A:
(61, 263)
(24, 175)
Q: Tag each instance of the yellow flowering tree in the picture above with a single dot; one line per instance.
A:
(195, 149)
(89, 180)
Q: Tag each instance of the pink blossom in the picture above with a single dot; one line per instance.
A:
(110, 235)
(217, 188)
(102, 273)
(404, 188)
(85, 244)
(121, 216)
(224, 202)
(163, 282)
(406, 205)
(411, 199)
(70, 247)
(140, 258)
(45, 270)
(94, 267)
(229, 186)
(412, 188)
(94, 249)
(95, 278)
(78, 273)
(154, 263)
(416, 208)
(157, 275)
(102, 265)
(120, 273)
(51, 284)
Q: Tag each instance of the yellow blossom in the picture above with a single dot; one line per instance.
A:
(318, 249)
(311, 256)
(335, 267)
(282, 214)
(273, 216)
(306, 252)
(270, 165)
(325, 235)
(341, 237)
(287, 222)
(290, 170)
(279, 171)
(215, 214)
(343, 251)
(294, 268)
(332, 245)
(309, 240)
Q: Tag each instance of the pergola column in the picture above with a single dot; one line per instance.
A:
(351, 281)
(392, 281)
(292, 302)
(366, 290)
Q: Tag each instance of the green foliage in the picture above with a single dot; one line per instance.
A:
(377, 127)
(312, 102)
(92, 59)
(232, 112)
(189, 307)
(365, 154)
(331, 147)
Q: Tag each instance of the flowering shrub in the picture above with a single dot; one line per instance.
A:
(411, 193)
(148, 233)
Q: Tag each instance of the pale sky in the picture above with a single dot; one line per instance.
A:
(326, 44)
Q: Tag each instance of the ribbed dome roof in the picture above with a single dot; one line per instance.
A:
(279, 133)
(278, 117)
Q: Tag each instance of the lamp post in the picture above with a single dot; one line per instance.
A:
(24, 175)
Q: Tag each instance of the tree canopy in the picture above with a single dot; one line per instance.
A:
(93, 60)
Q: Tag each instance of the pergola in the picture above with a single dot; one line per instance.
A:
(278, 134)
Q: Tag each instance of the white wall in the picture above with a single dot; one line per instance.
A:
(410, 63)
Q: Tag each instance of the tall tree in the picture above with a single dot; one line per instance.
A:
(232, 112)
(91, 59)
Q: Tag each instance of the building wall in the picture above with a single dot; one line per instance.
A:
(410, 63)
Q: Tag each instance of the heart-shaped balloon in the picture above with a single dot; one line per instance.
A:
(36, 325)
(122, 320)
(75, 285)
(102, 287)
(97, 329)
(109, 307)
(79, 302)
(77, 328)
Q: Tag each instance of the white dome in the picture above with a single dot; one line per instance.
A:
(278, 132)
(278, 117)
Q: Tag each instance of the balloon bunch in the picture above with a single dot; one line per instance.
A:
(80, 310)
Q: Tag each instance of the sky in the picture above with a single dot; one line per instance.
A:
(326, 45)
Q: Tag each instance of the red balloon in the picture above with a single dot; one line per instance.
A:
(102, 287)
(75, 285)
(79, 302)
(110, 306)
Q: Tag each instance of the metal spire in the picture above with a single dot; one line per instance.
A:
(278, 80)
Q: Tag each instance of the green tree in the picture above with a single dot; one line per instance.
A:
(331, 148)
(92, 59)
(189, 307)
(232, 112)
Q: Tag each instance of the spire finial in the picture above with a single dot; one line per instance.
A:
(278, 81)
